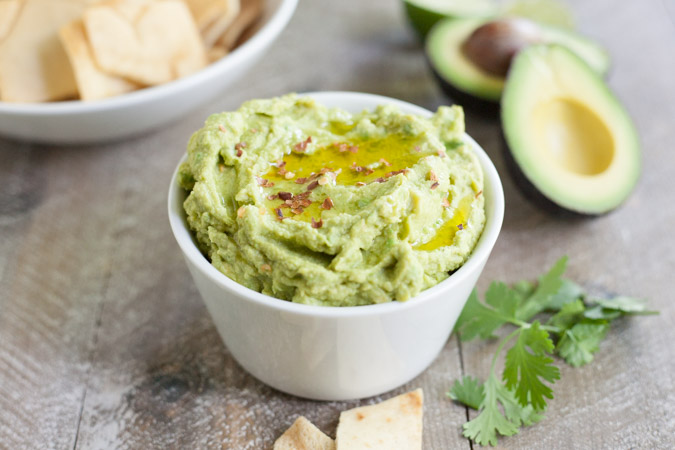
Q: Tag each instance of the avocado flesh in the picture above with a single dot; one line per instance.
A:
(456, 72)
(568, 137)
(423, 14)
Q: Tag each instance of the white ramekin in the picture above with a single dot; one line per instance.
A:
(338, 353)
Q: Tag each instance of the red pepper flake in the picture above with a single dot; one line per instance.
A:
(279, 214)
(395, 172)
(302, 146)
(272, 196)
(266, 268)
(303, 195)
(432, 176)
(344, 147)
(445, 203)
(222, 128)
(380, 180)
(385, 162)
(460, 226)
(434, 186)
(297, 210)
(281, 168)
(240, 145)
(327, 204)
(360, 183)
(313, 185)
(478, 193)
(301, 180)
(263, 182)
(239, 153)
(316, 224)
(285, 195)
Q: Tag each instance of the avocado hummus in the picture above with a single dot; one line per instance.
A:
(319, 206)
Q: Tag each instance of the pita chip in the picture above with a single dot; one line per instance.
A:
(158, 45)
(393, 424)
(229, 10)
(92, 83)
(303, 435)
(208, 12)
(216, 52)
(33, 64)
(251, 10)
(9, 9)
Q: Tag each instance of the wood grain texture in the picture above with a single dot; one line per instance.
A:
(105, 343)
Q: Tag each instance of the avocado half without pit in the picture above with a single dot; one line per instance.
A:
(568, 141)
(470, 57)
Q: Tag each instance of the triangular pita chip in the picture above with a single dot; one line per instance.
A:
(229, 10)
(9, 9)
(393, 424)
(33, 64)
(251, 10)
(303, 435)
(208, 12)
(160, 44)
(92, 83)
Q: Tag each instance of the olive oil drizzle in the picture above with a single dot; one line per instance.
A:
(445, 235)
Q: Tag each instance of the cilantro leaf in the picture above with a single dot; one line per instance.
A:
(527, 364)
(578, 344)
(610, 309)
(626, 305)
(569, 314)
(469, 391)
(514, 411)
(569, 291)
(548, 286)
(479, 320)
(503, 299)
(490, 421)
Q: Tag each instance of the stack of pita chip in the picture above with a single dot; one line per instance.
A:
(54, 50)
(393, 424)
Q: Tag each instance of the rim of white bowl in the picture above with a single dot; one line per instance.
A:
(277, 21)
(481, 252)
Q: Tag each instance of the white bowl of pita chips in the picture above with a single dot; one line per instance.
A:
(80, 71)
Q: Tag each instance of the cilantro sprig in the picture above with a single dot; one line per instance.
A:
(569, 324)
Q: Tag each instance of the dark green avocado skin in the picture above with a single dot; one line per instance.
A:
(421, 20)
(468, 101)
(531, 193)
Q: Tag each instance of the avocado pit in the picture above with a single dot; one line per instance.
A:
(493, 45)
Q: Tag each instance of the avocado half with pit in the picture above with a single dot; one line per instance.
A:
(569, 142)
(423, 14)
(469, 83)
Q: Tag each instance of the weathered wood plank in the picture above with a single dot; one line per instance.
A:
(53, 271)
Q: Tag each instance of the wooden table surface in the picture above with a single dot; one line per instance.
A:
(105, 343)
